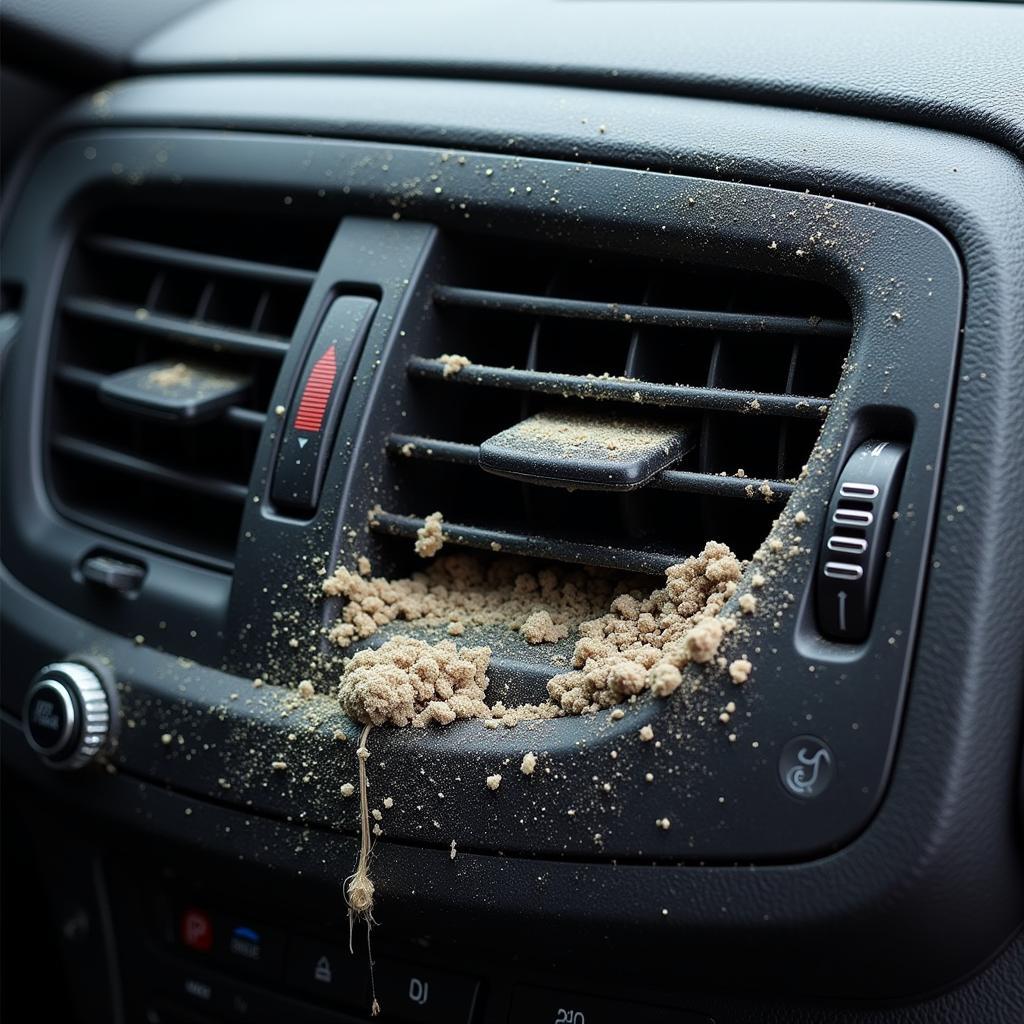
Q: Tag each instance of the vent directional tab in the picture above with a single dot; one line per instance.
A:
(588, 451)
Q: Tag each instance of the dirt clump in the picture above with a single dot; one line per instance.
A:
(429, 537)
(407, 681)
(453, 364)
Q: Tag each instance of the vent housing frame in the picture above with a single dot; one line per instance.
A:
(760, 823)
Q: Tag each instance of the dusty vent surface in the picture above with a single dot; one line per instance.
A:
(162, 304)
(742, 365)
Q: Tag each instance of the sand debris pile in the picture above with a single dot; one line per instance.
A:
(460, 590)
(643, 642)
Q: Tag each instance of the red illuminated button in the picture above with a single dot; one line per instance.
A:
(196, 930)
(307, 441)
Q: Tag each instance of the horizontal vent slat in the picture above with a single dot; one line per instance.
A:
(200, 261)
(176, 328)
(636, 315)
(457, 453)
(557, 549)
(636, 392)
(134, 466)
(410, 446)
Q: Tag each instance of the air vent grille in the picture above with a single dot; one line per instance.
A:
(218, 292)
(745, 363)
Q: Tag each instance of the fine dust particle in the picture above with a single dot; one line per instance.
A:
(617, 715)
(279, 766)
(748, 604)
(453, 364)
(305, 690)
(257, 683)
(529, 763)
(649, 777)
(430, 537)
(775, 545)
(724, 717)
(347, 789)
(801, 517)
(140, 639)
(452, 851)
(166, 739)
(456, 628)
(739, 670)
(279, 410)
(731, 708)
(377, 815)
(493, 782)
(339, 735)
(377, 830)
(363, 565)
(388, 803)
(664, 824)
(757, 580)
(646, 734)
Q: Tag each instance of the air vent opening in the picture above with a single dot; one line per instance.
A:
(187, 292)
(744, 362)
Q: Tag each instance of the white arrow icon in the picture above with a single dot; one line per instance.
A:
(842, 611)
(302, 441)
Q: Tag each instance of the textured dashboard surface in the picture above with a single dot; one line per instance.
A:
(945, 64)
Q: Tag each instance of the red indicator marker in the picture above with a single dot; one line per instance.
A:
(317, 392)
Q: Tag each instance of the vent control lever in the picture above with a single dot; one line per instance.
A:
(855, 539)
(306, 441)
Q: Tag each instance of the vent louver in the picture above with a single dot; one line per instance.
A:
(201, 295)
(744, 363)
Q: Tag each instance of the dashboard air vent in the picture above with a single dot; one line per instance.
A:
(736, 368)
(171, 329)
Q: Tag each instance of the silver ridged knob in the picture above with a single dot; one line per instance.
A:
(67, 715)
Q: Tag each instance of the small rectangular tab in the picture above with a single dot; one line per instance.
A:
(415, 993)
(858, 490)
(848, 545)
(852, 517)
(843, 571)
(311, 421)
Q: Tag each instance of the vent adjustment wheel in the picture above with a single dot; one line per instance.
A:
(67, 715)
